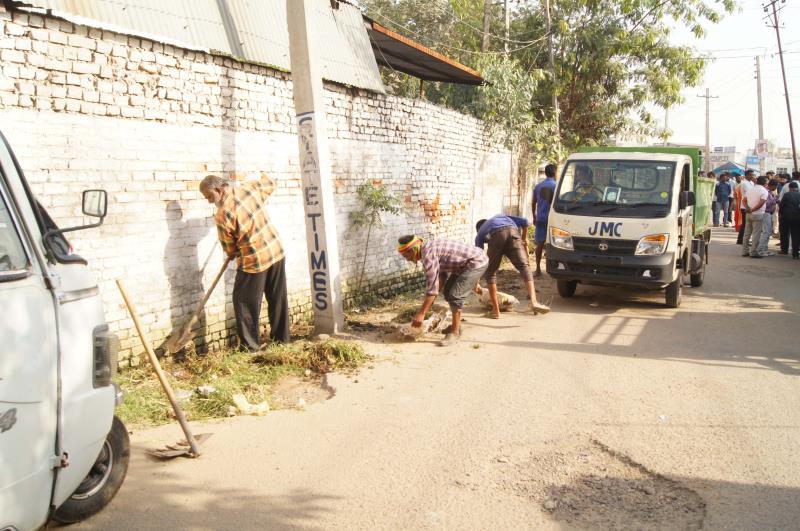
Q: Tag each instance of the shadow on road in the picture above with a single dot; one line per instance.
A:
(162, 503)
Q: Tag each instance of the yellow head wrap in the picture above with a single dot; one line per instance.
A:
(403, 247)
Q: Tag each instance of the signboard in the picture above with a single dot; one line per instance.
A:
(752, 161)
(762, 148)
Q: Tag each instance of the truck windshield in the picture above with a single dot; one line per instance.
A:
(624, 187)
(12, 256)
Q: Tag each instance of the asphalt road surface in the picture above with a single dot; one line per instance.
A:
(611, 412)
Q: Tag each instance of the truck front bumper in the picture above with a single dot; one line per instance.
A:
(652, 272)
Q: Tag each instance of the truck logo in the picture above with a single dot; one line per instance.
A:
(605, 228)
(8, 419)
(603, 246)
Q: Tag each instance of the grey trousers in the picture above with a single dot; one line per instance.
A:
(752, 230)
(459, 286)
(766, 234)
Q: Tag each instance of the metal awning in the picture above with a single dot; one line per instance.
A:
(395, 51)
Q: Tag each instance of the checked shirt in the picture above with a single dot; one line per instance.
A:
(244, 228)
(448, 256)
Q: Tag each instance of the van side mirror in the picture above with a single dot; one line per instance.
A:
(686, 199)
(95, 203)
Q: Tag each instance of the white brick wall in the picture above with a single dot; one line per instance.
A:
(88, 108)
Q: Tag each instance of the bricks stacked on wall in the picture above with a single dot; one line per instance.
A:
(90, 108)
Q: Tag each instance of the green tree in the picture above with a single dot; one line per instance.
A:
(374, 200)
(613, 60)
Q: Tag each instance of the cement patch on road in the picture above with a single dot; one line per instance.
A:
(586, 485)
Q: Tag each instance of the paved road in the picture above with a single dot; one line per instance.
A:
(612, 410)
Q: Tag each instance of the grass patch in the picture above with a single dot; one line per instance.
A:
(230, 372)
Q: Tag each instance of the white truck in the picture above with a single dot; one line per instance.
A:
(634, 217)
(63, 453)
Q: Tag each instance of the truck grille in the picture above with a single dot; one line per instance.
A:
(615, 247)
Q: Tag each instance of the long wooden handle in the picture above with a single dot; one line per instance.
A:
(159, 372)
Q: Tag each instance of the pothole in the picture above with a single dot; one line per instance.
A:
(288, 391)
(590, 486)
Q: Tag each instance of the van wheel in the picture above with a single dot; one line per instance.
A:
(103, 480)
(674, 292)
(566, 288)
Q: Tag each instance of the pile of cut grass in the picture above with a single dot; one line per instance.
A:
(230, 373)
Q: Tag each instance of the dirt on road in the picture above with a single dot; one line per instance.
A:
(612, 412)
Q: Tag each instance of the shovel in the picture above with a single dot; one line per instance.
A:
(176, 342)
(191, 448)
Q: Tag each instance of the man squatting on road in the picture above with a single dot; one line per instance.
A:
(465, 265)
(502, 233)
(246, 233)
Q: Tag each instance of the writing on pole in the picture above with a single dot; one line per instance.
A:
(309, 167)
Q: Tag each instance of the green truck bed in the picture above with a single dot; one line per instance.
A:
(703, 188)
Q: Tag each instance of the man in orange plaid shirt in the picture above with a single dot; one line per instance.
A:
(246, 233)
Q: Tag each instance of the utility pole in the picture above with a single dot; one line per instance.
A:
(707, 161)
(556, 111)
(760, 112)
(315, 169)
(487, 17)
(777, 27)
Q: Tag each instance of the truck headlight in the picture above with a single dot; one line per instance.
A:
(652, 245)
(561, 239)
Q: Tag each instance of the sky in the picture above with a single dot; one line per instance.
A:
(735, 42)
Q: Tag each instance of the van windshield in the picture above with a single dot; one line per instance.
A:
(624, 187)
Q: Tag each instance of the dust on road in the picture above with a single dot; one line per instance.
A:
(611, 412)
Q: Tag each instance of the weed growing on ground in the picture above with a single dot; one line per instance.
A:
(230, 373)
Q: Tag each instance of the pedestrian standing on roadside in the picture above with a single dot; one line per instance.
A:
(744, 187)
(755, 202)
(731, 205)
(736, 205)
(540, 206)
(507, 236)
(247, 234)
(722, 196)
(769, 211)
(784, 231)
(465, 265)
(790, 215)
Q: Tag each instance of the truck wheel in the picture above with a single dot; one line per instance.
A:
(566, 288)
(103, 480)
(696, 279)
(674, 291)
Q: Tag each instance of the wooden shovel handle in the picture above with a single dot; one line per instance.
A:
(159, 372)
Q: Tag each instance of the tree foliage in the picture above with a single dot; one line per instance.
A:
(613, 61)
(374, 200)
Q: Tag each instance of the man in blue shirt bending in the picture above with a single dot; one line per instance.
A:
(506, 236)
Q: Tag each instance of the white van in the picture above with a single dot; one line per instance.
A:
(63, 453)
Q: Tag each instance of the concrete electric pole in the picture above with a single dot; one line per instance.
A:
(776, 25)
(707, 161)
(552, 62)
(315, 169)
(760, 112)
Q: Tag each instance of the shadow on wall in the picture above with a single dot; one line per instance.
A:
(183, 270)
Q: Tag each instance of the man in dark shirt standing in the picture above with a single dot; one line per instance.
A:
(540, 205)
(722, 196)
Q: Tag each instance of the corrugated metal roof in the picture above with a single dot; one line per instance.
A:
(252, 29)
(400, 53)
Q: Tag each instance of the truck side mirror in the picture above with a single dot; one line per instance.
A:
(95, 203)
(686, 199)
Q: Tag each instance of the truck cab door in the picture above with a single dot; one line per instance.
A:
(28, 365)
(685, 215)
